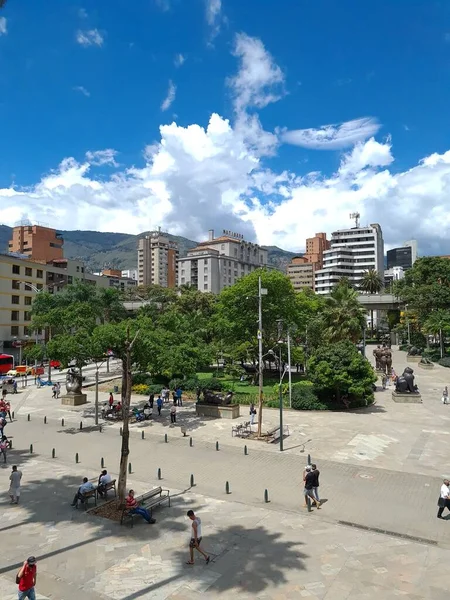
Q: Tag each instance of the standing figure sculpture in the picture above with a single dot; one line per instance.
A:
(388, 355)
(377, 354)
(74, 381)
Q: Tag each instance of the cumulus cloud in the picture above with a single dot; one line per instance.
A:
(82, 90)
(3, 27)
(170, 97)
(333, 137)
(213, 17)
(179, 60)
(89, 37)
(102, 157)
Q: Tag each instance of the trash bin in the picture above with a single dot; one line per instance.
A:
(116, 389)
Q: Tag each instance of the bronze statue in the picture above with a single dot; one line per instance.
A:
(74, 381)
(413, 351)
(210, 397)
(388, 355)
(405, 382)
(378, 352)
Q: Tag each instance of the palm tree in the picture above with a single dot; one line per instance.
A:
(438, 323)
(343, 316)
(371, 283)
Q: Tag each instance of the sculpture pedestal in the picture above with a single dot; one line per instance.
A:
(406, 398)
(74, 399)
(229, 411)
(426, 366)
(413, 359)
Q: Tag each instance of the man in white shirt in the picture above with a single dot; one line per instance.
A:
(195, 538)
(14, 488)
(103, 479)
(444, 498)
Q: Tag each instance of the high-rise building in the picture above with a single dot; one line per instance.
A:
(405, 256)
(219, 262)
(38, 243)
(352, 252)
(315, 247)
(301, 273)
(157, 260)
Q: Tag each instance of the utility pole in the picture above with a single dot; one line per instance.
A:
(96, 395)
(280, 390)
(289, 367)
(260, 365)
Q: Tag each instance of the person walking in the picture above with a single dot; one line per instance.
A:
(54, 390)
(315, 471)
(111, 400)
(309, 480)
(159, 403)
(26, 578)
(14, 488)
(445, 395)
(58, 389)
(4, 447)
(252, 413)
(444, 498)
(173, 413)
(179, 393)
(151, 399)
(196, 538)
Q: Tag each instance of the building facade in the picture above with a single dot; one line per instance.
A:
(315, 247)
(157, 260)
(37, 243)
(219, 262)
(352, 252)
(391, 276)
(301, 273)
(404, 257)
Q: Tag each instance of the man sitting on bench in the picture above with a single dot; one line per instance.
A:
(103, 479)
(86, 486)
(135, 509)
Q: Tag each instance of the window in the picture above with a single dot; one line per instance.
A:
(15, 299)
(39, 273)
(28, 300)
(15, 284)
(14, 315)
(27, 315)
(205, 286)
(28, 271)
(82, 269)
(16, 269)
(26, 331)
(78, 269)
(28, 287)
(205, 277)
(14, 330)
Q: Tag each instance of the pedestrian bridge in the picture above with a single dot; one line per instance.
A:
(380, 301)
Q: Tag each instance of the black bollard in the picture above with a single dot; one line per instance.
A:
(81, 425)
(31, 448)
(102, 463)
(53, 453)
(129, 468)
(28, 417)
(192, 481)
(76, 457)
(227, 487)
(309, 459)
(142, 434)
(159, 473)
(191, 443)
(13, 415)
(217, 445)
(45, 420)
(245, 450)
(120, 431)
(165, 438)
(266, 496)
(62, 422)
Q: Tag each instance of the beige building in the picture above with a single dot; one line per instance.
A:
(157, 260)
(37, 243)
(315, 247)
(219, 262)
(301, 273)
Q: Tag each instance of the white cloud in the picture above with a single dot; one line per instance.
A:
(3, 28)
(333, 137)
(89, 37)
(179, 60)
(259, 80)
(170, 97)
(213, 17)
(370, 154)
(82, 90)
(82, 13)
(102, 157)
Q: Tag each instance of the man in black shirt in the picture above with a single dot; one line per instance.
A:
(310, 480)
(315, 471)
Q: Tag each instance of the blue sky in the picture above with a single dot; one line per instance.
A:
(85, 77)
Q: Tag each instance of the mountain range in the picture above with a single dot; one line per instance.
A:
(99, 250)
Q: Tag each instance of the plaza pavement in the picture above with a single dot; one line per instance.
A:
(380, 469)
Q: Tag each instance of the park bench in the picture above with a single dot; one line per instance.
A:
(149, 501)
(273, 434)
(109, 486)
(87, 496)
(241, 430)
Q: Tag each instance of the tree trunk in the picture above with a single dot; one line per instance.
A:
(125, 450)
(371, 322)
(441, 343)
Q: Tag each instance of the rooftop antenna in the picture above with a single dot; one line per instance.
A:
(355, 216)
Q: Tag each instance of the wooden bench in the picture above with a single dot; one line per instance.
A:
(105, 489)
(87, 496)
(149, 501)
(241, 430)
(273, 434)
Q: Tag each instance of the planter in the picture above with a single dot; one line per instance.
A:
(230, 411)
(73, 399)
(413, 359)
(406, 398)
(426, 366)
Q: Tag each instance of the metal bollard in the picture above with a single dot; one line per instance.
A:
(192, 481)
(309, 459)
(31, 448)
(28, 417)
(217, 445)
(102, 463)
(121, 431)
(53, 453)
(266, 496)
(76, 457)
(165, 438)
(81, 425)
(245, 450)
(227, 487)
(45, 420)
(142, 435)
(159, 473)
(62, 422)
(129, 468)
(13, 415)
(191, 443)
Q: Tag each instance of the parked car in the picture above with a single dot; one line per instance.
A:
(55, 364)
(11, 373)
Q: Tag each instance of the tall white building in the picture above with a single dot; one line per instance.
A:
(157, 260)
(352, 252)
(220, 262)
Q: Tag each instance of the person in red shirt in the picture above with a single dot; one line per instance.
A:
(111, 400)
(134, 508)
(26, 578)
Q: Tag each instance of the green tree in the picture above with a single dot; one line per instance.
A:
(371, 283)
(341, 375)
(438, 324)
(343, 317)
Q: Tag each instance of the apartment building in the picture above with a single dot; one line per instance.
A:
(315, 247)
(404, 256)
(301, 273)
(352, 252)
(157, 260)
(37, 243)
(219, 262)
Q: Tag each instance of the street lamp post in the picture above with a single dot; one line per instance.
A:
(261, 292)
(280, 391)
(289, 367)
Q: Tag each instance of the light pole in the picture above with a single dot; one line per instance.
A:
(261, 292)
(289, 366)
(280, 391)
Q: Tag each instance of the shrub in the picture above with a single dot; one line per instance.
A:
(155, 388)
(141, 389)
(212, 384)
(141, 378)
(444, 362)
(305, 398)
(189, 385)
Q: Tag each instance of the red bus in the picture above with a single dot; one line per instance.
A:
(6, 363)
